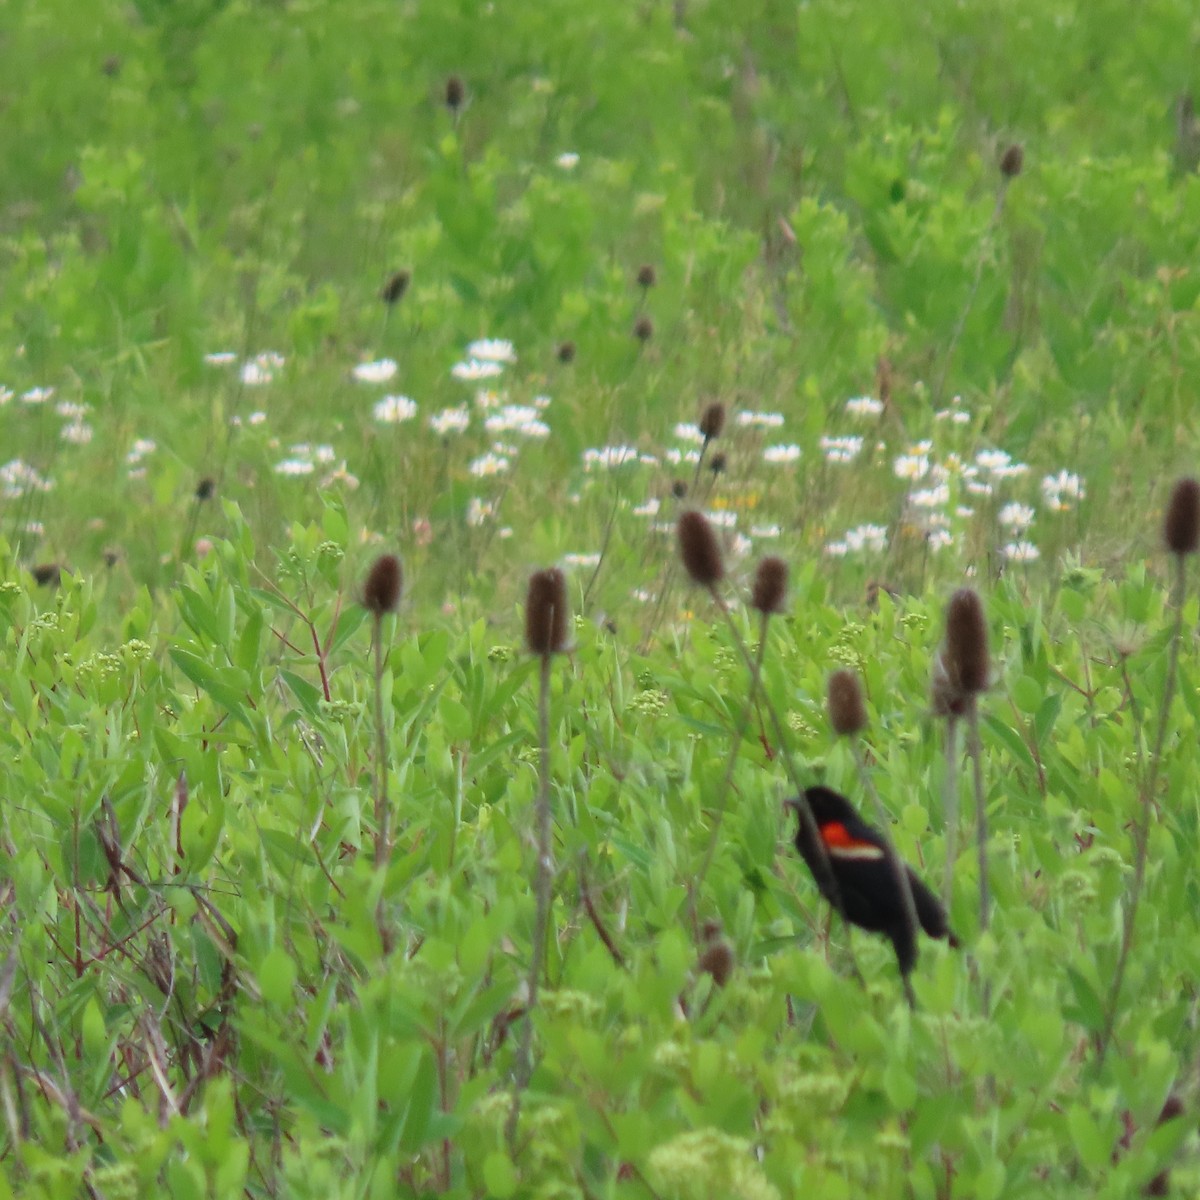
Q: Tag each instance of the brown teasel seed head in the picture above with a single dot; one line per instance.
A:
(712, 421)
(384, 585)
(1181, 526)
(699, 549)
(718, 463)
(1011, 161)
(47, 574)
(646, 277)
(679, 488)
(770, 586)
(948, 700)
(966, 642)
(844, 699)
(643, 329)
(566, 352)
(395, 287)
(546, 612)
(718, 961)
(456, 93)
(206, 488)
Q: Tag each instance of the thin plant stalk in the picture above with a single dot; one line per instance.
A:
(950, 808)
(1142, 830)
(383, 836)
(544, 881)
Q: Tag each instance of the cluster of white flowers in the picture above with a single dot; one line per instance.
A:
(486, 359)
(606, 457)
(871, 538)
(518, 418)
(450, 420)
(261, 368)
(841, 449)
(303, 459)
(1062, 491)
(779, 455)
(37, 395)
(18, 478)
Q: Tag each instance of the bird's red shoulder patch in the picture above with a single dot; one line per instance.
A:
(841, 843)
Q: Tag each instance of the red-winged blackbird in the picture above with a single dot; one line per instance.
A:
(867, 884)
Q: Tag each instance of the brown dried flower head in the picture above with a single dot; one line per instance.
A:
(966, 657)
(206, 488)
(47, 574)
(395, 287)
(566, 352)
(718, 961)
(456, 93)
(643, 328)
(699, 549)
(718, 463)
(384, 585)
(712, 421)
(1011, 161)
(1181, 527)
(546, 612)
(646, 276)
(679, 488)
(770, 586)
(844, 699)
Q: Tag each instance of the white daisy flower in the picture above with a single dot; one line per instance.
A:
(6, 394)
(760, 420)
(568, 160)
(220, 358)
(933, 497)
(781, 454)
(687, 432)
(488, 464)
(864, 406)
(581, 560)
(78, 433)
(393, 409)
(37, 395)
(649, 509)
(1021, 552)
(1016, 516)
(294, 466)
(450, 420)
(474, 370)
(911, 466)
(495, 350)
(479, 511)
(375, 372)
(610, 456)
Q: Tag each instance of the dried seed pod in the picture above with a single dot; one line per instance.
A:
(718, 464)
(384, 585)
(770, 586)
(546, 612)
(712, 421)
(206, 488)
(646, 276)
(1011, 161)
(456, 93)
(699, 549)
(566, 352)
(1181, 526)
(844, 700)
(395, 287)
(643, 328)
(966, 657)
(718, 961)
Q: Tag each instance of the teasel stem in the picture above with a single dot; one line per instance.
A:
(950, 808)
(1142, 829)
(545, 636)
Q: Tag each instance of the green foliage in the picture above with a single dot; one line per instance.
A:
(206, 986)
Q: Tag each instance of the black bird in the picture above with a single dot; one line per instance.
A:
(867, 884)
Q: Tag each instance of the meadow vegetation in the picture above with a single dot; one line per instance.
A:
(328, 866)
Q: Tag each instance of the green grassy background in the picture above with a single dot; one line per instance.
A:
(817, 187)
